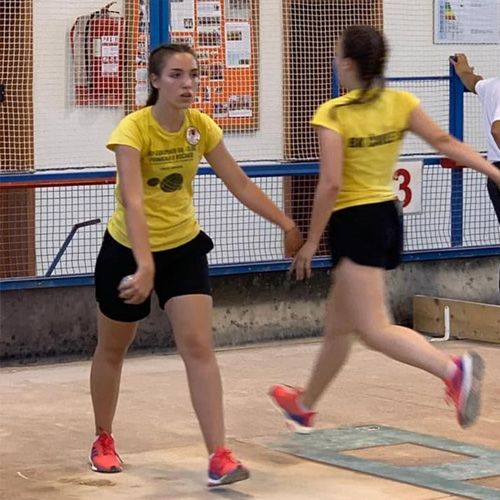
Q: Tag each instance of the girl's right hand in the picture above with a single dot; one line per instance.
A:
(302, 262)
(138, 288)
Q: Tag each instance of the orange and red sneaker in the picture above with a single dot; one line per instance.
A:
(103, 456)
(285, 399)
(464, 388)
(223, 468)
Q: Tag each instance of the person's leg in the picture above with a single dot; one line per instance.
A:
(113, 341)
(114, 338)
(191, 320)
(494, 192)
(364, 293)
(297, 404)
(363, 290)
(116, 327)
(334, 351)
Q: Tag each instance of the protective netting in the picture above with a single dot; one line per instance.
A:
(16, 81)
(72, 70)
(89, 70)
(240, 236)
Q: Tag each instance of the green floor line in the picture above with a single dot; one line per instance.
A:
(327, 446)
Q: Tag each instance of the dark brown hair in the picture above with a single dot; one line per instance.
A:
(157, 61)
(367, 47)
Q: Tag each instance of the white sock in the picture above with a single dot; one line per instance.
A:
(451, 370)
(302, 406)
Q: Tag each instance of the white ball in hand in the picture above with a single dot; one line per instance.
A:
(126, 279)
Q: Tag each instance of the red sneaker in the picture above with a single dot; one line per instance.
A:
(223, 468)
(464, 388)
(103, 456)
(285, 398)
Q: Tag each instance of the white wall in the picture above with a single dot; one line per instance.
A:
(71, 136)
(409, 26)
(267, 142)
(65, 135)
(68, 136)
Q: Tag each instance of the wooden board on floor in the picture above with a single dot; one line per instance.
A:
(468, 320)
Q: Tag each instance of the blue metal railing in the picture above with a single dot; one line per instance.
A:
(264, 170)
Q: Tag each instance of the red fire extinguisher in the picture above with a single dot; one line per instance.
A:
(97, 49)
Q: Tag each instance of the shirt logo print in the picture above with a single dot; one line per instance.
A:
(168, 184)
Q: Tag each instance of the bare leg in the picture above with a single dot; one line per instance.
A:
(334, 351)
(191, 320)
(363, 292)
(114, 338)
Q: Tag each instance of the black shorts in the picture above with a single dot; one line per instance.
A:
(369, 235)
(179, 271)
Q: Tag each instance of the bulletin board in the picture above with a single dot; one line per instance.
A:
(224, 34)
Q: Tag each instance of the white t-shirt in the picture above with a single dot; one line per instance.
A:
(488, 92)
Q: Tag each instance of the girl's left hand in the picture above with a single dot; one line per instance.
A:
(293, 242)
(302, 262)
(138, 288)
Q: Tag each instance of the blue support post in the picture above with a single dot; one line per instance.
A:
(165, 21)
(456, 127)
(335, 82)
(155, 19)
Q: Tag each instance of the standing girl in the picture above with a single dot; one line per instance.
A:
(154, 236)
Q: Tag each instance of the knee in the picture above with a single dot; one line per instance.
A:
(196, 349)
(370, 335)
(333, 333)
(113, 355)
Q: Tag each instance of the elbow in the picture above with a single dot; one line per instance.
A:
(132, 206)
(335, 188)
(332, 188)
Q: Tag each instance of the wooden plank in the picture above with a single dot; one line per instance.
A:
(468, 320)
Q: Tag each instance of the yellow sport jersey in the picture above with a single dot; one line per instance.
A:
(372, 134)
(169, 162)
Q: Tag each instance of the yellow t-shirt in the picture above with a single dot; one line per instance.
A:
(169, 162)
(372, 135)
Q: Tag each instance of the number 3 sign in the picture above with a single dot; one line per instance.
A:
(408, 186)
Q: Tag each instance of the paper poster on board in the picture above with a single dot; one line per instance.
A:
(208, 14)
(466, 21)
(224, 34)
(238, 45)
(238, 9)
(209, 36)
(182, 15)
(240, 106)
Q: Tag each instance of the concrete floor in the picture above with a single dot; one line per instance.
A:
(46, 426)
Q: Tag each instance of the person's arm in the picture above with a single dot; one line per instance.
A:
(422, 125)
(465, 72)
(327, 191)
(240, 185)
(128, 163)
(495, 132)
